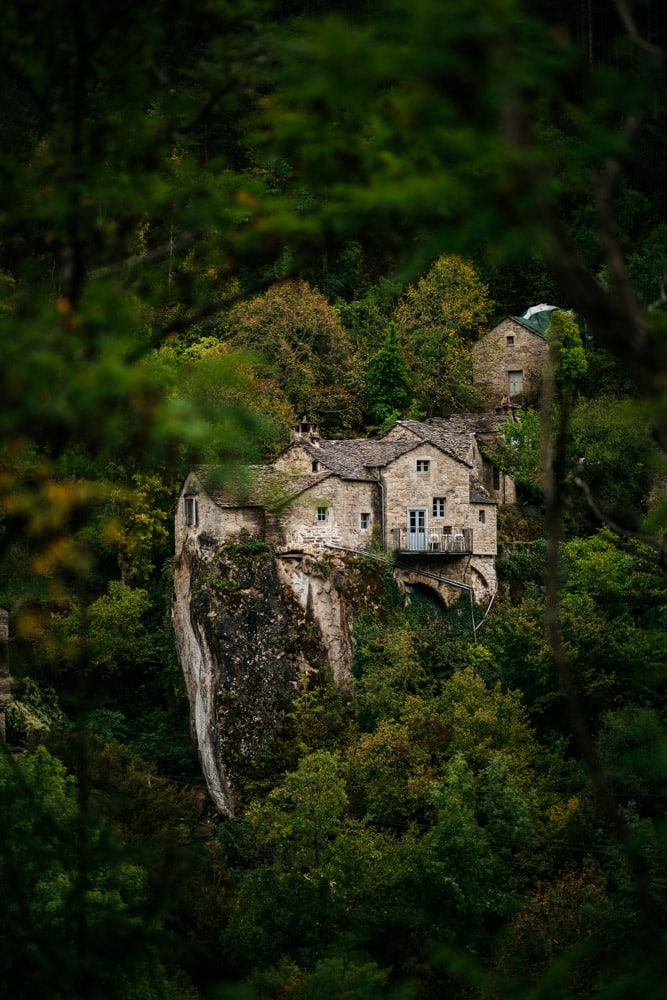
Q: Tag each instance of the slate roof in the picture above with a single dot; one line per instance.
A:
(356, 457)
(485, 422)
(256, 486)
(454, 442)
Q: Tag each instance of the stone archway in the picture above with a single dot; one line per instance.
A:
(447, 592)
(427, 593)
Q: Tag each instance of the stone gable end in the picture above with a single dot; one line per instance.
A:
(509, 355)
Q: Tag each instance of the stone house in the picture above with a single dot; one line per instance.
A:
(509, 359)
(424, 491)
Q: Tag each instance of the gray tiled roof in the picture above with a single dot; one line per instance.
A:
(484, 422)
(454, 442)
(355, 458)
(255, 486)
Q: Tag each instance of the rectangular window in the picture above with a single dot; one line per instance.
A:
(482, 517)
(322, 513)
(510, 341)
(365, 520)
(315, 467)
(423, 464)
(438, 506)
(190, 512)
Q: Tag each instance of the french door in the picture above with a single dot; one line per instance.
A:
(417, 525)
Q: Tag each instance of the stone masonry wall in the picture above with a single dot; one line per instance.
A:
(445, 478)
(494, 358)
(224, 522)
(344, 501)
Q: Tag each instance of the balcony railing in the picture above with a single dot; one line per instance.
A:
(435, 541)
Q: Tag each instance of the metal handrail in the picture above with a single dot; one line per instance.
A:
(436, 541)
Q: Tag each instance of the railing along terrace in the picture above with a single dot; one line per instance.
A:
(437, 541)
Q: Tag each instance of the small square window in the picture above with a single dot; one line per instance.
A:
(423, 464)
(439, 506)
(322, 513)
(190, 512)
(510, 341)
(482, 517)
(365, 521)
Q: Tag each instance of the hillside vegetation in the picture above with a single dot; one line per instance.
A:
(218, 218)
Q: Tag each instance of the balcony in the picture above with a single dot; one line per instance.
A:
(435, 541)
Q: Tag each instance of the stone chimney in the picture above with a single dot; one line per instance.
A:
(304, 431)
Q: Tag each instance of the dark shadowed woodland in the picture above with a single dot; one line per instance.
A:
(216, 219)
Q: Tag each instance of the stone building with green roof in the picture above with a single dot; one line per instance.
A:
(509, 360)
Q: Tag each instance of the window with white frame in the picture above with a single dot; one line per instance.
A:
(439, 506)
(423, 464)
(322, 513)
(190, 511)
(482, 517)
(365, 521)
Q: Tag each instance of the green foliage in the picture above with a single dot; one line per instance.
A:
(648, 265)
(436, 317)
(388, 668)
(110, 636)
(304, 350)
(612, 607)
(335, 978)
(32, 713)
(75, 920)
(633, 748)
(612, 452)
(450, 298)
(146, 205)
(387, 386)
(522, 563)
(572, 364)
(518, 453)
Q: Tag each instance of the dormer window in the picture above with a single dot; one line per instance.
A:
(315, 467)
(423, 464)
(190, 512)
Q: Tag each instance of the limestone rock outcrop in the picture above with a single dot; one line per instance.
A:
(248, 625)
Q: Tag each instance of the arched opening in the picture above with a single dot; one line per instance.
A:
(423, 595)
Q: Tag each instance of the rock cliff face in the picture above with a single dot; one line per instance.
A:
(248, 626)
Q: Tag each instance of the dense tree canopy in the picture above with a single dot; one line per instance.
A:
(216, 218)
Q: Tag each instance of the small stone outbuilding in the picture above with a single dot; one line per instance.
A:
(509, 360)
